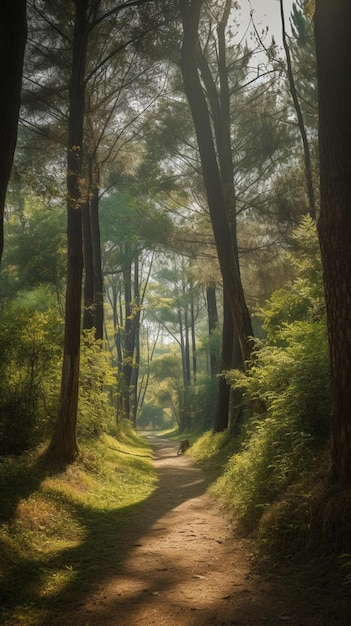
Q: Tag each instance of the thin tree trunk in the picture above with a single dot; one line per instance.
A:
(88, 312)
(222, 408)
(193, 335)
(333, 47)
(96, 245)
(300, 121)
(136, 358)
(117, 328)
(63, 446)
(13, 35)
(128, 333)
(187, 346)
(93, 285)
(212, 325)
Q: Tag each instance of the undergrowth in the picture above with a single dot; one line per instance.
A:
(58, 529)
(276, 480)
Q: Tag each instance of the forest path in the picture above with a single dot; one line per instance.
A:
(179, 563)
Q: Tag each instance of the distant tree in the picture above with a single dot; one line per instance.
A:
(212, 313)
(13, 34)
(333, 46)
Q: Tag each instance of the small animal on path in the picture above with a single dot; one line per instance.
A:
(184, 445)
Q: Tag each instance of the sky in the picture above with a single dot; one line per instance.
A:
(266, 13)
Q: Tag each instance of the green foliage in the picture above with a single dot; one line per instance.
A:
(30, 344)
(154, 417)
(200, 403)
(290, 376)
(209, 444)
(96, 413)
(30, 371)
(303, 299)
(213, 450)
(35, 251)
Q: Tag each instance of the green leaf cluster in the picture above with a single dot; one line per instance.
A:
(289, 375)
(96, 413)
(30, 344)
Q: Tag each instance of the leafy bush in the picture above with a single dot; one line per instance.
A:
(290, 374)
(96, 413)
(30, 345)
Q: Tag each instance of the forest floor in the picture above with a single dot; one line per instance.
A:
(180, 562)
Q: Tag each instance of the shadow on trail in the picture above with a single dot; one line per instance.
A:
(119, 542)
(177, 483)
(109, 535)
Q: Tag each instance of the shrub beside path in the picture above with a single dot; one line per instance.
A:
(179, 563)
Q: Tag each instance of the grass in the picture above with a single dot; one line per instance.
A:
(302, 532)
(209, 450)
(57, 529)
(213, 450)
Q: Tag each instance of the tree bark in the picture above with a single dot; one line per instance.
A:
(93, 316)
(13, 35)
(88, 313)
(222, 408)
(96, 245)
(333, 48)
(193, 333)
(212, 325)
(190, 12)
(63, 446)
(300, 121)
(128, 332)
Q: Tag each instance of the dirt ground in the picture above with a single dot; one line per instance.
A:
(180, 563)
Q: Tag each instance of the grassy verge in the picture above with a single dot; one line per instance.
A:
(58, 528)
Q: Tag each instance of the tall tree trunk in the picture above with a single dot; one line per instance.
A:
(300, 121)
(193, 334)
(187, 346)
(96, 246)
(93, 284)
(13, 35)
(136, 357)
(63, 446)
(117, 324)
(212, 325)
(128, 332)
(219, 101)
(182, 345)
(88, 313)
(190, 12)
(222, 408)
(333, 47)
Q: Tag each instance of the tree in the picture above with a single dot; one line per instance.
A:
(333, 47)
(35, 247)
(217, 176)
(63, 445)
(88, 16)
(300, 119)
(212, 314)
(13, 35)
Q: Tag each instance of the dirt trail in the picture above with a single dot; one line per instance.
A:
(180, 564)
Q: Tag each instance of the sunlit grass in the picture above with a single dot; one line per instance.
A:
(57, 528)
(212, 450)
